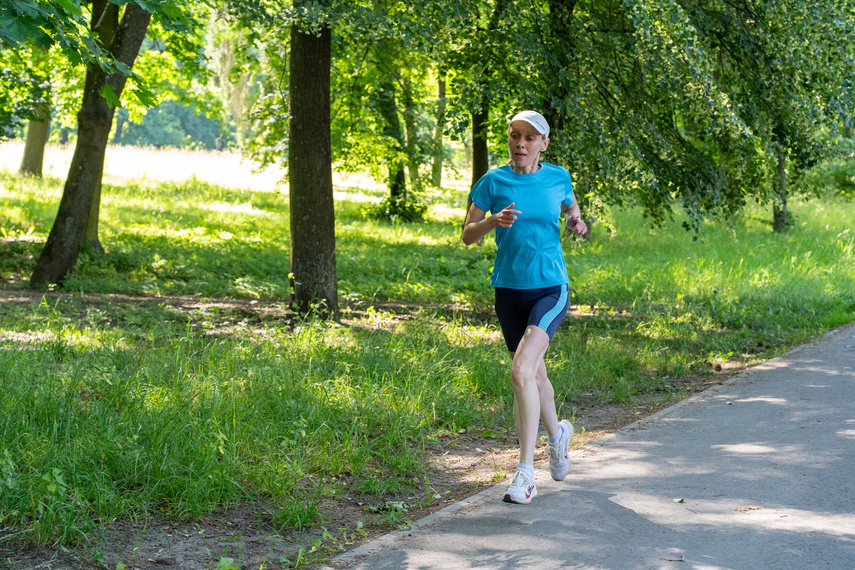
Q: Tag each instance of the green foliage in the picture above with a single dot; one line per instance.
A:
(171, 124)
(170, 63)
(836, 175)
(25, 78)
(654, 103)
(49, 23)
(173, 64)
(395, 209)
(840, 175)
(651, 104)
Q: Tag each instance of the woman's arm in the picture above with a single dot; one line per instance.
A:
(477, 226)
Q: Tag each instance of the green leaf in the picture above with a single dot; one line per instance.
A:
(107, 93)
(17, 30)
(69, 7)
(226, 563)
(172, 11)
(123, 68)
(145, 97)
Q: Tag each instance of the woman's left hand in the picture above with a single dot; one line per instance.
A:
(577, 226)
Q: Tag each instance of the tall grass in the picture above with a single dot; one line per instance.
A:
(99, 424)
(117, 408)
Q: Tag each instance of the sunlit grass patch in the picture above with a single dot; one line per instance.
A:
(157, 164)
(29, 204)
(445, 213)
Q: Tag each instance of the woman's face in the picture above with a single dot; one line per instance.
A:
(524, 146)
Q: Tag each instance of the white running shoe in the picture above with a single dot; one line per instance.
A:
(558, 461)
(522, 489)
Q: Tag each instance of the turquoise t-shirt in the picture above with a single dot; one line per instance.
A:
(529, 253)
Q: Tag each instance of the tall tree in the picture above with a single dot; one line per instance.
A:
(120, 30)
(313, 265)
(477, 53)
(411, 131)
(39, 124)
(226, 47)
(25, 95)
(387, 108)
(481, 112)
(438, 149)
(38, 127)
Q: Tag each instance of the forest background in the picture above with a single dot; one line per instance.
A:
(301, 357)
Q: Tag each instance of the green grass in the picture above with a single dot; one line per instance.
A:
(116, 408)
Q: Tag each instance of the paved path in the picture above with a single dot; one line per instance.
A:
(758, 473)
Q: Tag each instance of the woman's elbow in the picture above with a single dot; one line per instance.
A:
(467, 239)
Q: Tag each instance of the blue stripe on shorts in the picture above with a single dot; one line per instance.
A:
(556, 313)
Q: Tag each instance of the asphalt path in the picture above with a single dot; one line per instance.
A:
(757, 473)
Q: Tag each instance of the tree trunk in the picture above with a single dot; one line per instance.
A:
(388, 109)
(411, 134)
(313, 266)
(123, 39)
(780, 214)
(397, 182)
(121, 119)
(34, 149)
(436, 170)
(91, 241)
(480, 133)
(37, 132)
(480, 150)
(481, 118)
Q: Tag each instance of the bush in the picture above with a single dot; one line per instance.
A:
(396, 208)
(836, 177)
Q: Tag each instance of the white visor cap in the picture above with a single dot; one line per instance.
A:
(534, 119)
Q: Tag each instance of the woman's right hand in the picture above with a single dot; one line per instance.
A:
(505, 218)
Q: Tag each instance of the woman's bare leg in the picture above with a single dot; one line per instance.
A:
(548, 414)
(533, 393)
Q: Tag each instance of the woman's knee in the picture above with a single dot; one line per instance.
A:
(524, 373)
(520, 375)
